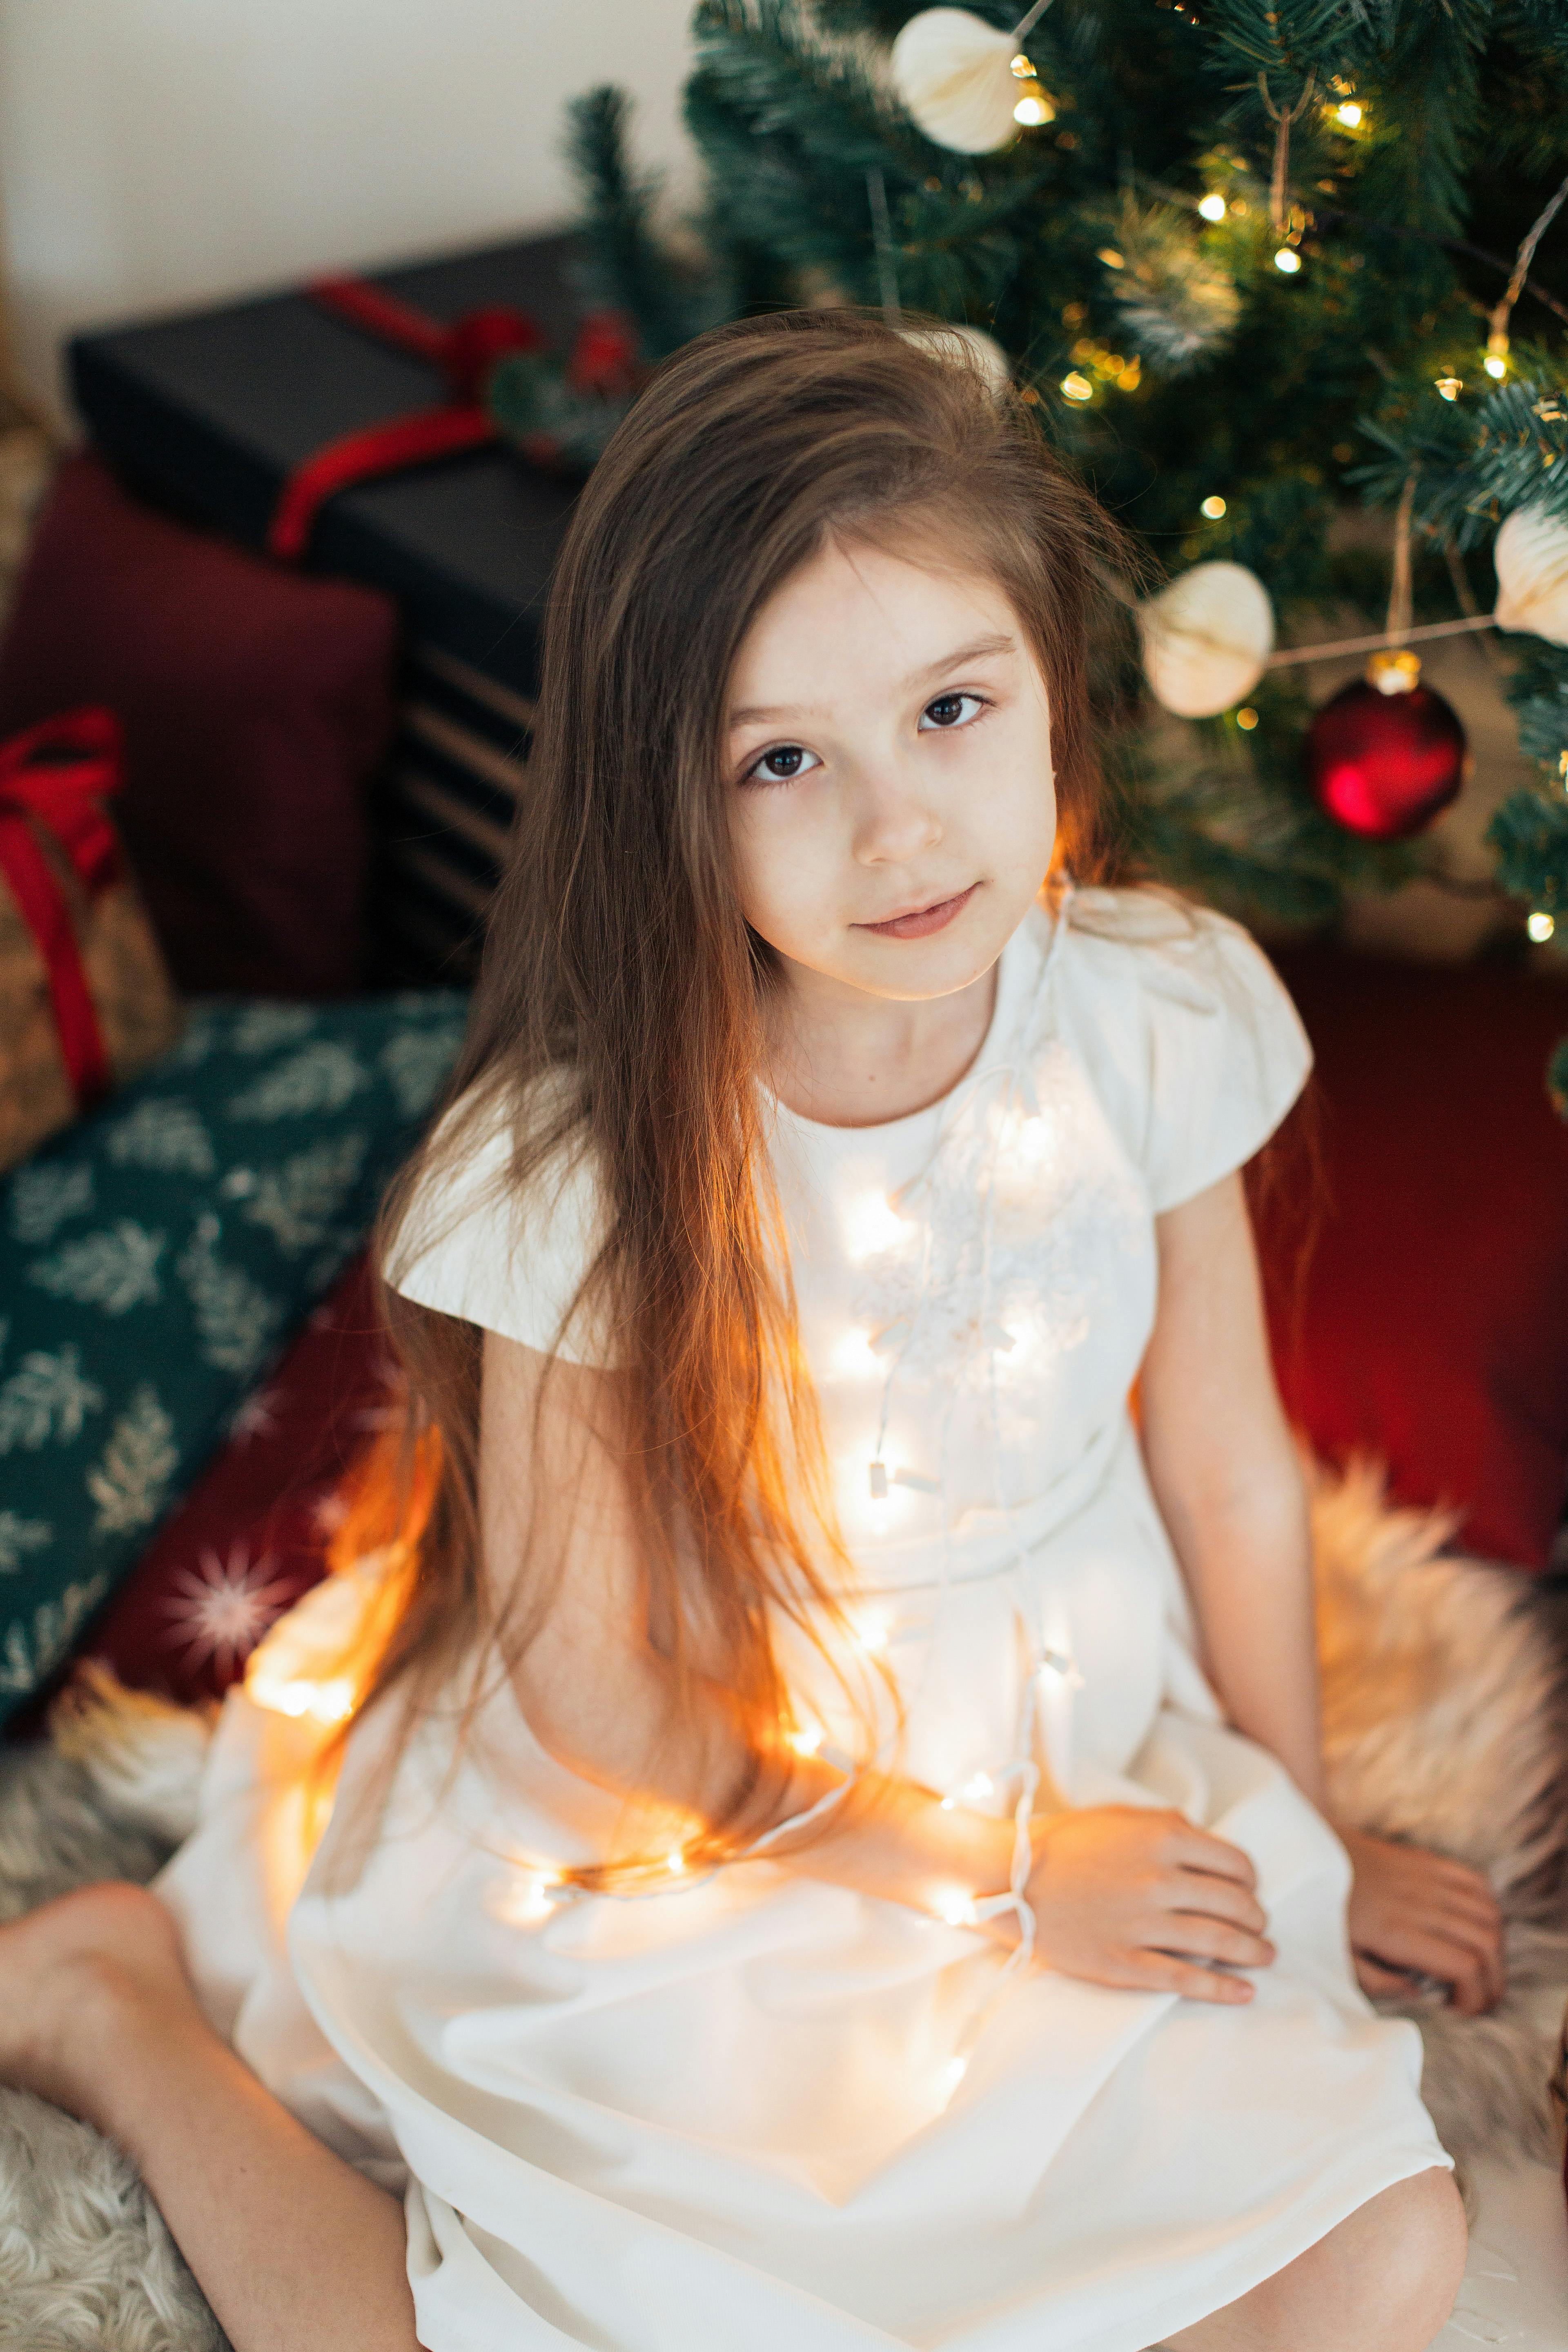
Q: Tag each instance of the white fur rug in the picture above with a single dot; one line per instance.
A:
(1446, 1686)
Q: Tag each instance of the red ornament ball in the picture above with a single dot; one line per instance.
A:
(1384, 759)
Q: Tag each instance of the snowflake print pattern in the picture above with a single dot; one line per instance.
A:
(44, 1195)
(129, 1483)
(115, 1270)
(219, 1610)
(321, 1077)
(46, 1397)
(166, 1135)
(19, 1535)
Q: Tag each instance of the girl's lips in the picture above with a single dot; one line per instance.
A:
(921, 925)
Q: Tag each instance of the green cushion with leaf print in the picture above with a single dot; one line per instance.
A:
(155, 1258)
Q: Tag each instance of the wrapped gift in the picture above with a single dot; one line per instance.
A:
(85, 1001)
(251, 417)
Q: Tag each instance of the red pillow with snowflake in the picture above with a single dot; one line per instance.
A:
(252, 1535)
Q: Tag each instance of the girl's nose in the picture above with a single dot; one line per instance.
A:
(894, 824)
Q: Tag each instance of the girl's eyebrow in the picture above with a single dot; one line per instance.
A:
(981, 650)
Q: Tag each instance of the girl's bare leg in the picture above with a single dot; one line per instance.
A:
(295, 2251)
(1384, 2280)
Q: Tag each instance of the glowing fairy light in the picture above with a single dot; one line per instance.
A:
(1213, 507)
(1212, 206)
(525, 1899)
(675, 1862)
(807, 1742)
(1449, 387)
(1287, 260)
(955, 1907)
(871, 1629)
(872, 1224)
(1540, 925)
(1496, 365)
(855, 1354)
(1349, 114)
(979, 1786)
(331, 1701)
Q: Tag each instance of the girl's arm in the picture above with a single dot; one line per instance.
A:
(1224, 1472)
(1124, 1895)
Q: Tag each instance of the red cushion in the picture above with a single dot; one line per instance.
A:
(257, 705)
(252, 1535)
(1431, 1326)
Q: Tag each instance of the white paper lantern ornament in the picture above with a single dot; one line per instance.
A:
(1531, 559)
(967, 85)
(1207, 638)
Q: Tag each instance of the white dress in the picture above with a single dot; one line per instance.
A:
(757, 2112)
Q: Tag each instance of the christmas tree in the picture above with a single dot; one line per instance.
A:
(1256, 270)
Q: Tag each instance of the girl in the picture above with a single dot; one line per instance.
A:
(807, 1867)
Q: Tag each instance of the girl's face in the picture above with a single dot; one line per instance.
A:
(891, 801)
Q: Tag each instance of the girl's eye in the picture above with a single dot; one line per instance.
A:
(782, 764)
(949, 710)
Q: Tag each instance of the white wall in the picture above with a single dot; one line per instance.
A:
(161, 153)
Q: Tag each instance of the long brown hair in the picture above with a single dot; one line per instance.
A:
(619, 1010)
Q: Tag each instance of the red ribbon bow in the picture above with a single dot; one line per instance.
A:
(466, 354)
(56, 775)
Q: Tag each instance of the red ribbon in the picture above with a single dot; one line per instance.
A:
(56, 775)
(466, 354)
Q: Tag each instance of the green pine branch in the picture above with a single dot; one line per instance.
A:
(628, 265)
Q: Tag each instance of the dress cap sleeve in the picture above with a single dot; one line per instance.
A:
(470, 1246)
(1223, 1055)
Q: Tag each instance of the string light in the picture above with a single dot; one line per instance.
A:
(325, 1702)
(1541, 925)
(1077, 387)
(1246, 718)
(1287, 260)
(1212, 508)
(873, 1224)
(807, 1742)
(675, 1862)
(1450, 386)
(1212, 206)
(1496, 365)
(523, 1901)
(1034, 105)
(1349, 114)
(982, 1785)
(956, 1908)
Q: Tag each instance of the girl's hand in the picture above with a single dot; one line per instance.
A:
(1414, 1913)
(77, 1978)
(1131, 1898)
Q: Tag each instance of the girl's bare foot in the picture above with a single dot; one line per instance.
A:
(76, 1975)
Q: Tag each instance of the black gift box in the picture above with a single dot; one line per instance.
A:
(209, 412)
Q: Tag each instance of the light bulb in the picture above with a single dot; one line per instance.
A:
(526, 1899)
(1495, 365)
(1349, 114)
(1287, 260)
(675, 1862)
(1212, 508)
(807, 1742)
(1450, 386)
(855, 1353)
(1246, 719)
(955, 1907)
(1212, 207)
(1541, 925)
(981, 1785)
(1033, 109)
(871, 1629)
(873, 1224)
(1077, 387)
